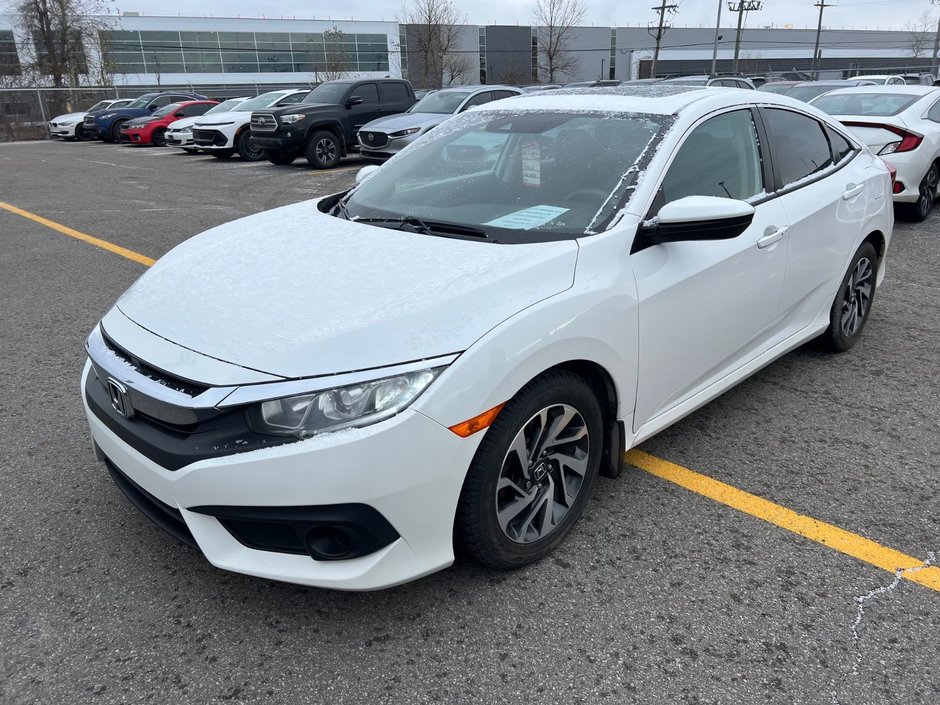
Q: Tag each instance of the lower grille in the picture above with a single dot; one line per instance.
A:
(209, 138)
(163, 515)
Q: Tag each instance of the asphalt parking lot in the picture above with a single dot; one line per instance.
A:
(661, 595)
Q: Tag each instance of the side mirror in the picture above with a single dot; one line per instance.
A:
(178, 114)
(151, 107)
(366, 173)
(353, 100)
(699, 218)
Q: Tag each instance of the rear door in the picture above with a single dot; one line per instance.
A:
(706, 307)
(825, 191)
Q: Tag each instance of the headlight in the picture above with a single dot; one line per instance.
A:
(185, 129)
(343, 407)
(291, 119)
(404, 133)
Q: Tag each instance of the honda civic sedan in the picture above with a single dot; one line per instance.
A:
(345, 392)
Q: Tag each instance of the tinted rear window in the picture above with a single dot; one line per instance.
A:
(800, 147)
(877, 104)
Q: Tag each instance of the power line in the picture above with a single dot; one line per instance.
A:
(741, 7)
(822, 6)
(661, 28)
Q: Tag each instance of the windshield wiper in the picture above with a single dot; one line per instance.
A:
(425, 227)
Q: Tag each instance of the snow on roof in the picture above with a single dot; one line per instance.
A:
(657, 99)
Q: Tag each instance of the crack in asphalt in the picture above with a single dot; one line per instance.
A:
(860, 602)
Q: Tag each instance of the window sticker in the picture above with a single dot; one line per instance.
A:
(532, 164)
(528, 217)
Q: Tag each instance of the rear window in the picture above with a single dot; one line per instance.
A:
(395, 92)
(875, 104)
(807, 93)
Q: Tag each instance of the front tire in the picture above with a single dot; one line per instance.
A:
(247, 149)
(918, 211)
(279, 158)
(158, 138)
(323, 150)
(532, 473)
(115, 134)
(850, 309)
(80, 134)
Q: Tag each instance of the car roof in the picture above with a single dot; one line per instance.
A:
(914, 90)
(863, 76)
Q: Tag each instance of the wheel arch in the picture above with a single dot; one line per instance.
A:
(330, 126)
(879, 242)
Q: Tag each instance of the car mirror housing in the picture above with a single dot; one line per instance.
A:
(366, 172)
(354, 100)
(151, 108)
(699, 218)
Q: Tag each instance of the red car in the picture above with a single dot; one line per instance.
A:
(150, 129)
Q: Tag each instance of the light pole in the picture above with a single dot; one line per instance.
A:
(717, 37)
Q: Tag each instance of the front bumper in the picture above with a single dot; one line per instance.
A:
(136, 136)
(409, 469)
(179, 139)
(60, 130)
(211, 138)
(288, 142)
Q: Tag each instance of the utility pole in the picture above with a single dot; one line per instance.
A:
(822, 6)
(660, 31)
(741, 7)
(934, 67)
(717, 37)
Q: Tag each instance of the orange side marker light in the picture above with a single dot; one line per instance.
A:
(477, 423)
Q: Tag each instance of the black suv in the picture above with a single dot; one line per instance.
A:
(323, 126)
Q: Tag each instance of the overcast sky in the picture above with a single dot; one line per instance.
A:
(847, 13)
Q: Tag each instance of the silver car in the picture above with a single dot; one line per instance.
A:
(383, 138)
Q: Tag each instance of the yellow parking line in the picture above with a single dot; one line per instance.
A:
(828, 535)
(71, 232)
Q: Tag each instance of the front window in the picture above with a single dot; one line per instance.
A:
(225, 106)
(143, 101)
(331, 93)
(874, 104)
(442, 103)
(265, 100)
(512, 176)
(100, 105)
(172, 107)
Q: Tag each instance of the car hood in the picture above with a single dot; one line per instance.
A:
(69, 116)
(403, 121)
(293, 292)
(223, 118)
(143, 120)
(123, 112)
(186, 122)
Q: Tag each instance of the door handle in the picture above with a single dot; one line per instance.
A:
(771, 235)
(851, 191)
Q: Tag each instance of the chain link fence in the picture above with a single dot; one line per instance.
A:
(25, 112)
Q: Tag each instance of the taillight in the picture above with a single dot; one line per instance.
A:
(893, 170)
(908, 142)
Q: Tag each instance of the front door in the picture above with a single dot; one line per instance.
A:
(706, 307)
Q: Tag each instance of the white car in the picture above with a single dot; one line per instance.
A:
(902, 125)
(180, 133)
(224, 134)
(332, 392)
(69, 126)
(882, 79)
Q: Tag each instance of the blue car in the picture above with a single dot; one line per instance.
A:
(106, 124)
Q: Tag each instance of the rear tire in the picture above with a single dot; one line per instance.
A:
(918, 211)
(323, 150)
(279, 158)
(158, 138)
(532, 473)
(222, 153)
(852, 305)
(247, 149)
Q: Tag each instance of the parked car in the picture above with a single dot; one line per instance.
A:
(807, 90)
(601, 83)
(323, 126)
(535, 88)
(882, 79)
(780, 87)
(383, 138)
(901, 124)
(151, 129)
(180, 132)
(919, 79)
(457, 347)
(70, 127)
(224, 134)
(710, 81)
(106, 124)
(419, 94)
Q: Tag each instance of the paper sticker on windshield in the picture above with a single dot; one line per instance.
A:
(528, 217)
(532, 164)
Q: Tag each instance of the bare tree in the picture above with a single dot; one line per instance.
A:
(335, 58)
(57, 30)
(433, 37)
(921, 35)
(554, 21)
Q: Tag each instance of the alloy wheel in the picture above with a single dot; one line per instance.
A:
(542, 473)
(326, 150)
(928, 192)
(857, 297)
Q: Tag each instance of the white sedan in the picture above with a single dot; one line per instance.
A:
(335, 392)
(902, 125)
(69, 126)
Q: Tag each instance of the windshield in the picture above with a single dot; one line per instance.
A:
(442, 102)
(166, 110)
(807, 93)
(514, 176)
(327, 93)
(776, 87)
(100, 105)
(225, 106)
(879, 104)
(143, 101)
(262, 101)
